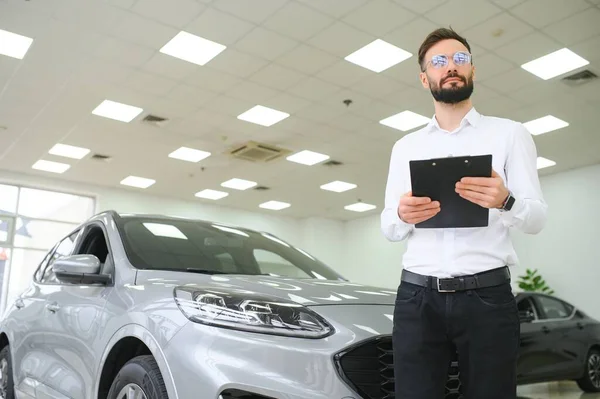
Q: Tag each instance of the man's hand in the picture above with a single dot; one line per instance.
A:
(413, 210)
(488, 192)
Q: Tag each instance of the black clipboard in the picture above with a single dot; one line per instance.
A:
(436, 178)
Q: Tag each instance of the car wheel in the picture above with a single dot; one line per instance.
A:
(139, 378)
(590, 382)
(6, 376)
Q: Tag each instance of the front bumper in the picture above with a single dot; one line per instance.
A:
(207, 361)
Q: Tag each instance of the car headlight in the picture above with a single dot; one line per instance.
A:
(250, 311)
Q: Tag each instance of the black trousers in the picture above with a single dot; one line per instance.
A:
(430, 328)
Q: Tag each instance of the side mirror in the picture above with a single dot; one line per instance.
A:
(526, 316)
(79, 269)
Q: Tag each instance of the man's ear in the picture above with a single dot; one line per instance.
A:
(424, 80)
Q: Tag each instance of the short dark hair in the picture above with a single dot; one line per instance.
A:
(437, 36)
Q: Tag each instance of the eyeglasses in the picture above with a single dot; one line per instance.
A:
(441, 60)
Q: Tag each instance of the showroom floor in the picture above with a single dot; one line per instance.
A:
(562, 390)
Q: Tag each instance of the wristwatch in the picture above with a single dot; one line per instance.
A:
(508, 202)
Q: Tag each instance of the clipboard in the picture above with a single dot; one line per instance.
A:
(436, 178)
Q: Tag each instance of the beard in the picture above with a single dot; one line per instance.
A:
(454, 94)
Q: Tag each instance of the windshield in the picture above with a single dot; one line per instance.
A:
(184, 245)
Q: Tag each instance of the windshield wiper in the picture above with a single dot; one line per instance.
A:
(204, 271)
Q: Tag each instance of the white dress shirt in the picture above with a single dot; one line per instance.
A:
(462, 251)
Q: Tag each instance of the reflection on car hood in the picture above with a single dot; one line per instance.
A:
(309, 292)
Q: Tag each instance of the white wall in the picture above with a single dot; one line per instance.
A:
(566, 252)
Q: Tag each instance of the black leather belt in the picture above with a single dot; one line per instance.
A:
(488, 278)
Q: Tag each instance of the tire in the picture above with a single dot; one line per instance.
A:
(140, 373)
(590, 382)
(7, 385)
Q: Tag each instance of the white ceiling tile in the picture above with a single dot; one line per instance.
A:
(378, 85)
(497, 31)
(253, 11)
(211, 117)
(576, 28)
(313, 89)
(213, 80)
(277, 77)
(482, 92)
(540, 13)
(238, 63)
(297, 21)
(287, 103)
(169, 67)
(306, 59)
(149, 83)
(140, 30)
(335, 8)
(359, 101)
(320, 113)
(184, 93)
(298, 125)
(176, 13)
(266, 44)
(490, 65)
(252, 92)
(341, 39)
(126, 4)
(350, 122)
(507, 3)
(94, 16)
(410, 36)
(413, 99)
(344, 74)
(512, 80)
(210, 23)
(376, 111)
(420, 6)
(379, 17)
(170, 109)
(406, 72)
(118, 51)
(463, 14)
(589, 49)
(528, 48)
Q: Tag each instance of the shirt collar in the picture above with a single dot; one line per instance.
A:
(472, 117)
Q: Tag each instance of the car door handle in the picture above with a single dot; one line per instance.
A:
(19, 303)
(53, 307)
(545, 329)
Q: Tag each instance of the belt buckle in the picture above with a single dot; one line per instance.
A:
(439, 289)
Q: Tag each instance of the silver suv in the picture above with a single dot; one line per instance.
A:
(137, 306)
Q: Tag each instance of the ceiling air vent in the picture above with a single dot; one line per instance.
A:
(579, 78)
(100, 157)
(258, 152)
(155, 120)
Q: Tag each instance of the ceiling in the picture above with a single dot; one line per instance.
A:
(287, 55)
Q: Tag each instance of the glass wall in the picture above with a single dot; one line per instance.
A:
(31, 222)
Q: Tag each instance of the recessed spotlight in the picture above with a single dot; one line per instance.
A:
(189, 154)
(211, 194)
(405, 121)
(49, 166)
(360, 207)
(545, 124)
(274, 205)
(14, 45)
(307, 157)
(117, 111)
(544, 163)
(69, 151)
(554, 64)
(192, 48)
(338, 186)
(378, 56)
(239, 184)
(139, 182)
(263, 116)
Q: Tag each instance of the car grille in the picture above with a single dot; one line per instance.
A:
(369, 369)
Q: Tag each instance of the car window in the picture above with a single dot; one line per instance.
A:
(271, 263)
(94, 243)
(526, 305)
(64, 248)
(553, 308)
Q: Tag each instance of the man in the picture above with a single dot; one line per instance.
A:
(478, 318)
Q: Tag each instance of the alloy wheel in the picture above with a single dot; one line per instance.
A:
(131, 391)
(594, 369)
(3, 378)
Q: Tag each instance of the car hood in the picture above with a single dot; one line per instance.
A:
(308, 292)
